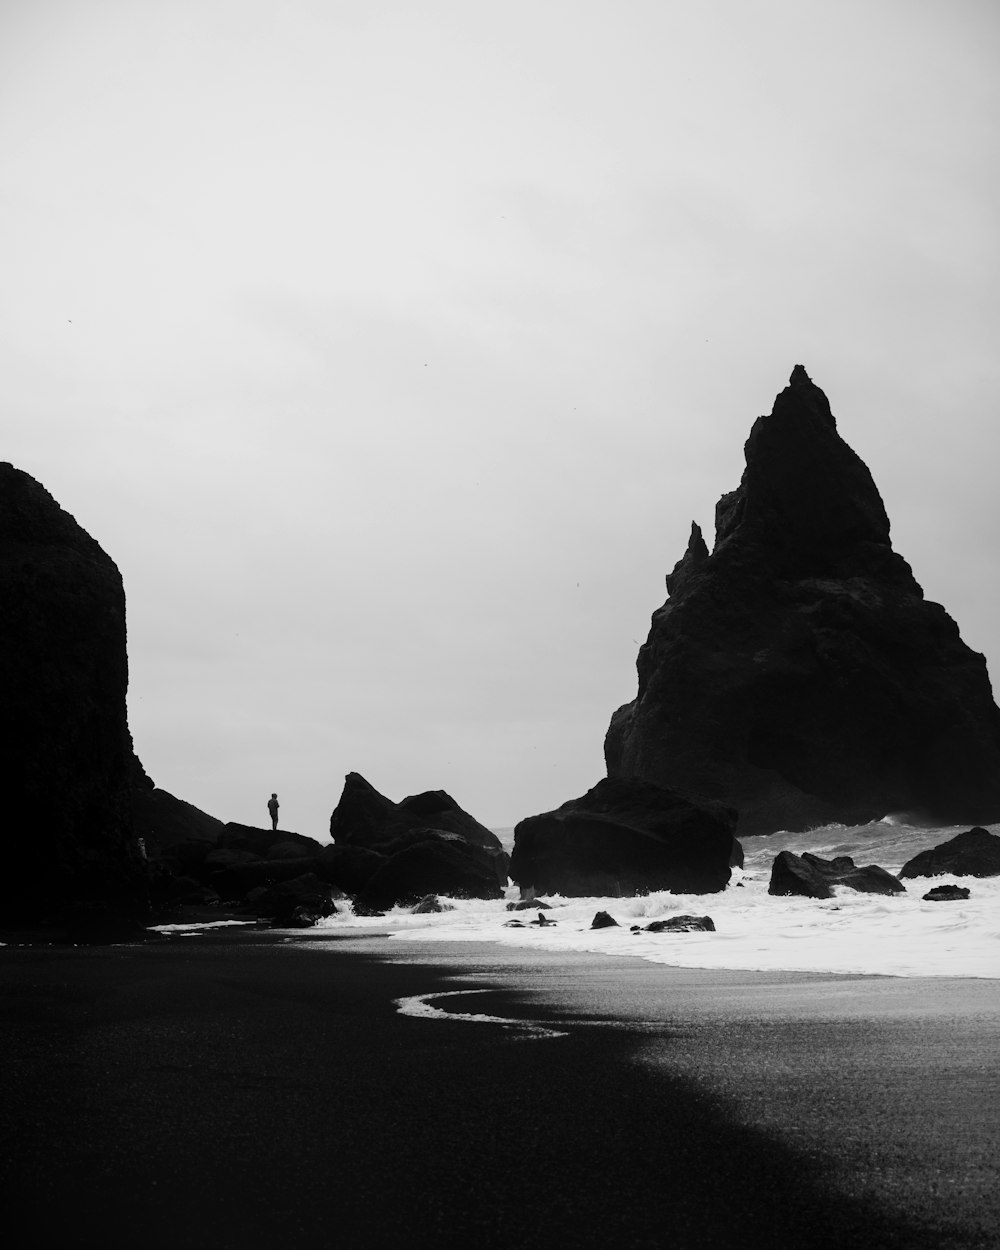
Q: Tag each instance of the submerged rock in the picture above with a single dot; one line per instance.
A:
(431, 904)
(975, 853)
(67, 767)
(796, 672)
(681, 924)
(946, 894)
(625, 837)
(602, 920)
(810, 876)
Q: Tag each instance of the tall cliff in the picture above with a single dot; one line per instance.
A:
(796, 671)
(66, 767)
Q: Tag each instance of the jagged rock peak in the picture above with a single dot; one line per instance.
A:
(695, 555)
(797, 673)
(804, 492)
(803, 392)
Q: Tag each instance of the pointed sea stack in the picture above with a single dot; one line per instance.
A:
(796, 673)
(70, 850)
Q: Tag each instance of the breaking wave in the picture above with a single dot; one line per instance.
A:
(852, 933)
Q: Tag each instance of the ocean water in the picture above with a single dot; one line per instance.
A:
(851, 933)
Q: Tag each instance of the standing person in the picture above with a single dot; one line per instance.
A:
(272, 807)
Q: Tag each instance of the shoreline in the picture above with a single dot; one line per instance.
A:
(248, 1089)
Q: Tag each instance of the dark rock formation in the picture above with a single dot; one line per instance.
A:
(265, 843)
(796, 672)
(388, 853)
(529, 904)
(349, 867)
(602, 920)
(436, 864)
(812, 877)
(625, 837)
(946, 894)
(363, 817)
(231, 865)
(431, 904)
(975, 853)
(303, 900)
(680, 924)
(163, 821)
(66, 767)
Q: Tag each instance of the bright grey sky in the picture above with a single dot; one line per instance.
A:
(391, 348)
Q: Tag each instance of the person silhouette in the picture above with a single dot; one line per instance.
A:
(272, 807)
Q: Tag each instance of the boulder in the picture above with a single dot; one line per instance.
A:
(681, 924)
(810, 876)
(625, 836)
(603, 921)
(529, 904)
(795, 672)
(946, 894)
(437, 864)
(431, 904)
(975, 853)
(302, 896)
(426, 844)
(67, 767)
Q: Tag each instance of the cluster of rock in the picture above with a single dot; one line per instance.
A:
(975, 853)
(810, 876)
(795, 676)
(385, 853)
(197, 864)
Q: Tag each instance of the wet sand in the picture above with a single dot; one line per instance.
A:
(242, 1089)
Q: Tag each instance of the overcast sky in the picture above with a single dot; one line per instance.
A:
(390, 348)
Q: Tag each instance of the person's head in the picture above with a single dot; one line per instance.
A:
(274, 796)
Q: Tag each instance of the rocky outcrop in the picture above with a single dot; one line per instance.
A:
(625, 837)
(678, 924)
(71, 853)
(946, 894)
(810, 876)
(163, 821)
(300, 901)
(975, 853)
(796, 672)
(196, 860)
(603, 920)
(388, 853)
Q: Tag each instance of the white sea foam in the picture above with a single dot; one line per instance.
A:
(853, 932)
(422, 1005)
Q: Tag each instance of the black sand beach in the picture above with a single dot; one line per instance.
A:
(241, 1089)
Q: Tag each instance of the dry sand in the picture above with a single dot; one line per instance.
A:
(241, 1089)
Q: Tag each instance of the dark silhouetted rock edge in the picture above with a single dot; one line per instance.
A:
(796, 672)
(625, 836)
